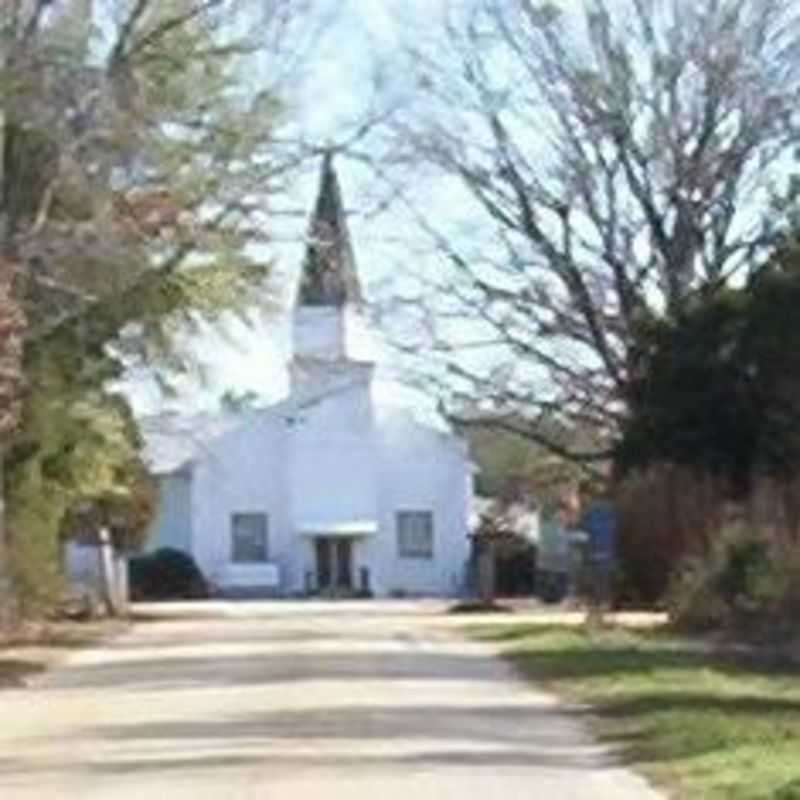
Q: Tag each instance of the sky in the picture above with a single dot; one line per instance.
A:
(330, 92)
(346, 45)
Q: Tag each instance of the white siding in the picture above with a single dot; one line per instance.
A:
(323, 458)
(244, 471)
(332, 467)
(172, 526)
(319, 331)
(421, 469)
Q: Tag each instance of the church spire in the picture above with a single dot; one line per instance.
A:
(329, 276)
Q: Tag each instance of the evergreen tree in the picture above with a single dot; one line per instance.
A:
(136, 164)
(717, 389)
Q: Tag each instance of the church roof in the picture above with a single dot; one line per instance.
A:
(329, 276)
(172, 440)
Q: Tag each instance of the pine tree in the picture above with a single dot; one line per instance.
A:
(136, 164)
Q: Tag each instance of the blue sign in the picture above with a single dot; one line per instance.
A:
(600, 523)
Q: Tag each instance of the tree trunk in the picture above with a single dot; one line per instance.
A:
(486, 573)
(5, 589)
(8, 604)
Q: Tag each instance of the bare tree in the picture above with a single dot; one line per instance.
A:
(614, 161)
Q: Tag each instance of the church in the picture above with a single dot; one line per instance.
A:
(327, 492)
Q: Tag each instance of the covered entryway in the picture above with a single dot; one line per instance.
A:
(337, 563)
(334, 563)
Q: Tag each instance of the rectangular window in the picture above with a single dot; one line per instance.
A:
(249, 538)
(415, 534)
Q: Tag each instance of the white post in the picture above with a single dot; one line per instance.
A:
(123, 586)
(108, 572)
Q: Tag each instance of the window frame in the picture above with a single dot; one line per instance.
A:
(236, 516)
(415, 553)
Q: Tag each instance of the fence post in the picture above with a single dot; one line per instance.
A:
(108, 572)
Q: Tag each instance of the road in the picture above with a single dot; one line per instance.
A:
(296, 700)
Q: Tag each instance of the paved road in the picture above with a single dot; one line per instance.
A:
(303, 701)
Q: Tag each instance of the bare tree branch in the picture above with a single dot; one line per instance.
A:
(616, 160)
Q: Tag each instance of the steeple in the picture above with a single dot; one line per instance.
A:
(329, 276)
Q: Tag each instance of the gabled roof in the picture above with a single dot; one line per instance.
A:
(329, 276)
(172, 441)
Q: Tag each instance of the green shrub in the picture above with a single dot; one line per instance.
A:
(791, 791)
(746, 582)
(166, 574)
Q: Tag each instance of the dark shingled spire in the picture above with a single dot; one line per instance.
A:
(329, 276)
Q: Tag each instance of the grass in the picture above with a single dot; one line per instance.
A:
(703, 725)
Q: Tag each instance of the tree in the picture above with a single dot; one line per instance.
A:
(713, 432)
(716, 391)
(614, 162)
(136, 171)
(510, 465)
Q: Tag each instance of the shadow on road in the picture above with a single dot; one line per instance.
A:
(13, 672)
(169, 673)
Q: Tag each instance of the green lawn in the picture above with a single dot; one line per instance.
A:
(704, 726)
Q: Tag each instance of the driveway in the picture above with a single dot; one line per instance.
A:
(296, 700)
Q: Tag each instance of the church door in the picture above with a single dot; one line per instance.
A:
(344, 564)
(334, 563)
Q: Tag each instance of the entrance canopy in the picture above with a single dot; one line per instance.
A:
(338, 528)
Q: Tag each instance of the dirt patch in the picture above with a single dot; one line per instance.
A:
(13, 672)
(34, 647)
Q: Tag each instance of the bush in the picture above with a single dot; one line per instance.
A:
(791, 791)
(166, 574)
(664, 514)
(746, 583)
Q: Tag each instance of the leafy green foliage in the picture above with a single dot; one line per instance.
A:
(135, 166)
(76, 441)
(714, 403)
(744, 582)
(508, 462)
(500, 457)
(717, 389)
(703, 724)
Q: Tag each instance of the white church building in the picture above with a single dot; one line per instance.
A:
(328, 491)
